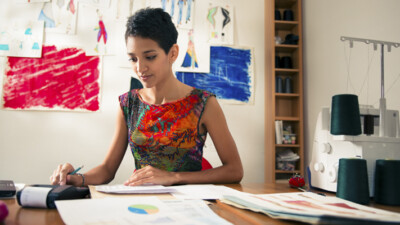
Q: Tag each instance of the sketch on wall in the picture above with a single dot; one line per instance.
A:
(97, 3)
(181, 11)
(30, 1)
(98, 37)
(194, 52)
(54, 82)
(46, 15)
(64, 14)
(231, 75)
(22, 38)
(220, 23)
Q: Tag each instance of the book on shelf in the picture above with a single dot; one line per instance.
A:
(279, 131)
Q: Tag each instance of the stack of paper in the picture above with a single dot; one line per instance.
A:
(312, 208)
(146, 189)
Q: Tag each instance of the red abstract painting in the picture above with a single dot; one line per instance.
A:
(63, 79)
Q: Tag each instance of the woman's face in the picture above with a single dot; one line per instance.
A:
(149, 61)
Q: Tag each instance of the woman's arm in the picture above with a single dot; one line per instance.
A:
(103, 173)
(231, 170)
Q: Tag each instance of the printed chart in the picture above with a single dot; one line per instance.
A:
(143, 209)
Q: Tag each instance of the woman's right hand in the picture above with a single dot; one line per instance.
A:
(60, 175)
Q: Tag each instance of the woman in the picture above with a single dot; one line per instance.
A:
(166, 122)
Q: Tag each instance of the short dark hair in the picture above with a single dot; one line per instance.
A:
(155, 24)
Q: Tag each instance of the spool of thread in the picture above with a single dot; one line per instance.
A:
(368, 124)
(288, 85)
(286, 62)
(387, 182)
(345, 117)
(352, 182)
(277, 14)
(288, 15)
(278, 85)
(277, 62)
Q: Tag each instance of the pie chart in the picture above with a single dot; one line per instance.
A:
(143, 209)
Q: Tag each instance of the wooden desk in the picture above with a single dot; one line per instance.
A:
(26, 216)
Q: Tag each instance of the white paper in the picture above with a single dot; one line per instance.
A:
(310, 207)
(35, 197)
(202, 191)
(22, 38)
(145, 189)
(136, 210)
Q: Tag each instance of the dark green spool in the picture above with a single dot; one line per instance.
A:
(345, 117)
(387, 182)
(352, 182)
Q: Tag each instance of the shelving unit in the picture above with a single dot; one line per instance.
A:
(287, 107)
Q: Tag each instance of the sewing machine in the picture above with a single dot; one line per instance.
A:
(328, 148)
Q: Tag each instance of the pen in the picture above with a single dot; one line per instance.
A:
(75, 171)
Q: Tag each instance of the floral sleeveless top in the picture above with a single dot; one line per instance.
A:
(166, 136)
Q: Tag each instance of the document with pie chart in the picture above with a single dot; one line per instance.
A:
(136, 210)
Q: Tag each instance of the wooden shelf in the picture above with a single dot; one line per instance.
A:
(282, 70)
(287, 145)
(286, 95)
(285, 118)
(285, 25)
(287, 107)
(287, 171)
(286, 48)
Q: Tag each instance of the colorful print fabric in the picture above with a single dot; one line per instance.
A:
(166, 136)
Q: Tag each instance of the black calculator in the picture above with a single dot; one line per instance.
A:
(7, 188)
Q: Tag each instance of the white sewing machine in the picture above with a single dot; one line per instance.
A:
(328, 148)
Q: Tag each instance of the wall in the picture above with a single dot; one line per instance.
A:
(33, 143)
(328, 62)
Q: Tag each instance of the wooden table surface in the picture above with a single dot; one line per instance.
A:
(27, 216)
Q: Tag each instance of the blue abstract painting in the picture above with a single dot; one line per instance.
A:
(230, 77)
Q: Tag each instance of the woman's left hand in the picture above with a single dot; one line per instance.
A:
(151, 175)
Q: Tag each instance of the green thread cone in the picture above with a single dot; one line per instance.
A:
(352, 182)
(387, 182)
(345, 116)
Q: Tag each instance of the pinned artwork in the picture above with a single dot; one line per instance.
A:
(63, 79)
(46, 15)
(64, 16)
(194, 52)
(30, 1)
(22, 38)
(220, 22)
(96, 37)
(97, 3)
(231, 75)
(181, 11)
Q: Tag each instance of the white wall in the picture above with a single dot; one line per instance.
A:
(326, 57)
(33, 143)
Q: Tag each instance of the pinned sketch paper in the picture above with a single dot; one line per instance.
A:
(220, 23)
(63, 79)
(194, 52)
(46, 15)
(30, 1)
(97, 3)
(22, 38)
(231, 75)
(181, 11)
(64, 15)
(98, 36)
